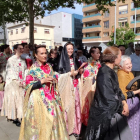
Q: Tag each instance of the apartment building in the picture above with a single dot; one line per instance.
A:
(68, 27)
(19, 33)
(97, 27)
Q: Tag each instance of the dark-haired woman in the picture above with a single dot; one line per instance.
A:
(87, 83)
(43, 114)
(53, 59)
(69, 89)
(107, 119)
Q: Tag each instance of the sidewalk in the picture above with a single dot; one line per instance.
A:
(9, 131)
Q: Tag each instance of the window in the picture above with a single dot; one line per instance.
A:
(16, 31)
(106, 24)
(106, 14)
(43, 43)
(11, 32)
(46, 31)
(123, 9)
(122, 22)
(106, 34)
(35, 30)
(23, 30)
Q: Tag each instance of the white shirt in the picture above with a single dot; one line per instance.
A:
(135, 62)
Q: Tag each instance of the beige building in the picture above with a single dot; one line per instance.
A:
(19, 33)
(97, 28)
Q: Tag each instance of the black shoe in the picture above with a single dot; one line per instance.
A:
(18, 124)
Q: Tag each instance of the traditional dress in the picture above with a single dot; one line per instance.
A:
(105, 120)
(1, 93)
(69, 92)
(88, 86)
(43, 115)
(132, 101)
(3, 61)
(14, 93)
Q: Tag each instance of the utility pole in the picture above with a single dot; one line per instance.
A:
(115, 23)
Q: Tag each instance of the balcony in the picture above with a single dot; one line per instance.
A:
(94, 17)
(89, 29)
(91, 39)
(133, 9)
(138, 21)
(89, 5)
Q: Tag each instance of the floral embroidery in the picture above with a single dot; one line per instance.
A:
(20, 74)
(46, 68)
(19, 64)
(75, 82)
(86, 73)
(29, 78)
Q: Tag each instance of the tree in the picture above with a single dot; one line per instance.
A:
(27, 10)
(124, 35)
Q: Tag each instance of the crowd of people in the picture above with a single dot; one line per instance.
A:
(54, 95)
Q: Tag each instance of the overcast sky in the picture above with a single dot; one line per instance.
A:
(77, 10)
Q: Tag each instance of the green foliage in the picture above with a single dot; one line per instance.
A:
(124, 35)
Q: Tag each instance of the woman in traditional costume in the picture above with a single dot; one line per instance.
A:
(107, 119)
(68, 84)
(124, 77)
(43, 116)
(88, 83)
(14, 88)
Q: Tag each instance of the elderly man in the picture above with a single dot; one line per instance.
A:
(135, 58)
(14, 89)
(4, 56)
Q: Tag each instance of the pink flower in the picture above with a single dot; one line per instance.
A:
(20, 74)
(75, 82)
(46, 68)
(98, 66)
(56, 76)
(47, 94)
(52, 113)
(86, 73)
(28, 79)
(19, 64)
(95, 72)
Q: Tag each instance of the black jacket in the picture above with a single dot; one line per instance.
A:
(107, 101)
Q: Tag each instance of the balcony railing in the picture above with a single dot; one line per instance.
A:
(92, 15)
(92, 37)
(133, 9)
(94, 26)
(89, 5)
(138, 21)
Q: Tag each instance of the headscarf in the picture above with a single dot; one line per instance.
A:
(64, 62)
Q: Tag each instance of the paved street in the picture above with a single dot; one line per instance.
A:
(9, 131)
